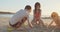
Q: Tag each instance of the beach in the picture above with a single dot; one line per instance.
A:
(4, 26)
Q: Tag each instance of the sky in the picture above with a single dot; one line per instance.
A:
(47, 6)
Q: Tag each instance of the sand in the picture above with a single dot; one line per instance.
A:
(4, 26)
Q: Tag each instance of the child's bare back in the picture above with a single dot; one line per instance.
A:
(57, 23)
(56, 19)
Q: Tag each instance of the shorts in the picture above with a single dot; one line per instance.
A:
(18, 23)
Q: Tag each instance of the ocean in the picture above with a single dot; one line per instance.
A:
(6, 15)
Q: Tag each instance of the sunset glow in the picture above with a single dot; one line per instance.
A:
(47, 6)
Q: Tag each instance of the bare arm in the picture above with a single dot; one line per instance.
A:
(51, 23)
(41, 22)
(29, 23)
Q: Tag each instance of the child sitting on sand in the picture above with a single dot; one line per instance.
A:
(20, 17)
(37, 14)
(56, 19)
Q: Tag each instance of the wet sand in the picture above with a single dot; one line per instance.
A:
(4, 26)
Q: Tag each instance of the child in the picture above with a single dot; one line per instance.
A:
(20, 17)
(56, 19)
(37, 14)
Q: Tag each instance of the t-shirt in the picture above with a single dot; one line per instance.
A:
(19, 16)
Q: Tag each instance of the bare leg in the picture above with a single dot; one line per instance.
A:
(33, 21)
(41, 22)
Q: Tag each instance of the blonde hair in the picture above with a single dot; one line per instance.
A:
(54, 14)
